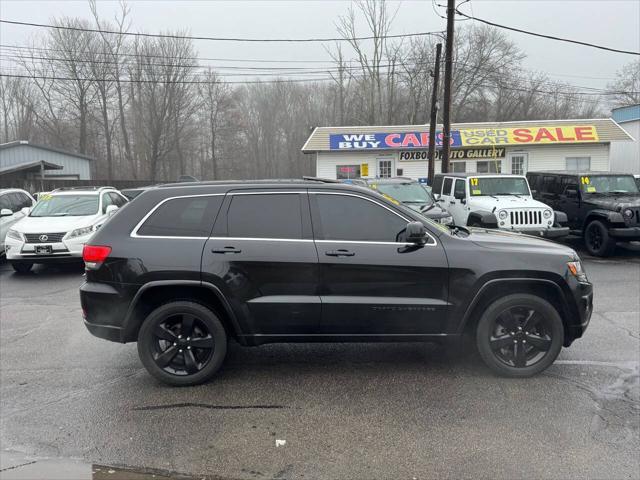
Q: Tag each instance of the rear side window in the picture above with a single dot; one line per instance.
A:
(446, 189)
(343, 217)
(265, 216)
(183, 217)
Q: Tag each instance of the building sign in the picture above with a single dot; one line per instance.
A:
(459, 154)
(466, 138)
(384, 141)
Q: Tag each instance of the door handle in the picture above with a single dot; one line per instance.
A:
(339, 253)
(226, 250)
(452, 203)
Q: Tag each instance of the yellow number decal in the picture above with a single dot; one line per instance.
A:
(585, 180)
(474, 182)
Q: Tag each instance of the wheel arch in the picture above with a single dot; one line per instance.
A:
(153, 294)
(607, 216)
(501, 287)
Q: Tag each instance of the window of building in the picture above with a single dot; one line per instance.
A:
(446, 187)
(183, 217)
(458, 167)
(342, 217)
(578, 163)
(519, 164)
(385, 168)
(346, 172)
(265, 216)
(491, 166)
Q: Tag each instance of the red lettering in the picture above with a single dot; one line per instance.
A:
(543, 133)
(391, 140)
(424, 139)
(584, 133)
(410, 140)
(561, 137)
(522, 135)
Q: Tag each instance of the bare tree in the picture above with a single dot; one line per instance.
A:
(625, 89)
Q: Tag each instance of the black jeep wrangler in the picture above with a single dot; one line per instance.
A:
(603, 207)
(186, 266)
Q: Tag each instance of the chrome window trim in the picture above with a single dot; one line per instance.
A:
(428, 244)
(134, 232)
(262, 239)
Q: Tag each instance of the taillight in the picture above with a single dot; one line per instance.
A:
(94, 255)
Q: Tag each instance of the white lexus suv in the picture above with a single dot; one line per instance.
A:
(495, 200)
(59, 225)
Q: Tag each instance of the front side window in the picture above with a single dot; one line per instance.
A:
(347, 172)
(276, 215)
(608, 184)
(5, 202)
(344, 217)
(578, 163)
(498, 186)
(183, 217)
(409, 192)
(459, 189)
(106, 201)
(489, 167)
(117, 200)
(446, 187)
(65, 206)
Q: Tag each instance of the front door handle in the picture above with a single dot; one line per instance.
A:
(226, 250)
(339, 253)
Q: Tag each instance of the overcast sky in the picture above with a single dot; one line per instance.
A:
(607, 22)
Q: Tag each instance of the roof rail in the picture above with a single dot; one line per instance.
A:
(318, 179)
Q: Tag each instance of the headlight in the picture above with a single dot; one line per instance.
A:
(446, 220)
(547, 214)
(16, 235)
(575, 268)
(79, 232)
(502, 214)
(628, 213)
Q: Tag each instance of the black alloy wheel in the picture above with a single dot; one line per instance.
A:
(520, 335)
(597, 239)
(182, 343)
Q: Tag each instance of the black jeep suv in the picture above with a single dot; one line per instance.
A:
(603, 207)
(184, 267)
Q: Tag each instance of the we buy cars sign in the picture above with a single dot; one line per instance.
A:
(471, 137)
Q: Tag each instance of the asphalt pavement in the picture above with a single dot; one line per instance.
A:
(70, 402)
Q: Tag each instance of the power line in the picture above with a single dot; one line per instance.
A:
(550, 37)
(220, 39)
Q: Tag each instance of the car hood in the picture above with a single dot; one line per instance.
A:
(504, 201)
(54, 224)
(512, 241)
(613, 202)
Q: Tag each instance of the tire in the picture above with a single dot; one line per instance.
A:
(507, 333)
(597, 239)
(22, 267)
(175, 359)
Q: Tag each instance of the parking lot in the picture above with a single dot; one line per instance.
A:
(321, 410)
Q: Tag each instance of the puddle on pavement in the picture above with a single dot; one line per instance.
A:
(16, 466)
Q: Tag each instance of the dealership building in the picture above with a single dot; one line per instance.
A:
(506, 147)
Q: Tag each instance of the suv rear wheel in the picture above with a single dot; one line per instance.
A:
(182, 343)
(597, 239)
(519, 335)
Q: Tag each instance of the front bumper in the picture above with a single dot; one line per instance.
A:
(550, 232)
(583, 296)
(628, 234)
(63, 251)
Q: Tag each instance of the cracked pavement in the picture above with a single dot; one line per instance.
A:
(342, 410)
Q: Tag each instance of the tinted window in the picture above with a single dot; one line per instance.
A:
(446, 188)
(437, 185)
(18, 201)
(117, 199)
(551, 184)
(459, 188)
(4, 202)
(533, 181)
(342, 217)
(106, 201)
(265, 216)
(183, 217)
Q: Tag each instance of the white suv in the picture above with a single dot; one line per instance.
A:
(59, 225)
(14, 205)
(497, 200)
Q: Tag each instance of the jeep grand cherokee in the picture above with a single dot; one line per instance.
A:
(186, 267)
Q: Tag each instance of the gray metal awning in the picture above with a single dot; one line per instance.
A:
(30, 167)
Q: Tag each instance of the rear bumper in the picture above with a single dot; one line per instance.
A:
(108, 332)
(625, 233)
(551, 232)
(104, 310)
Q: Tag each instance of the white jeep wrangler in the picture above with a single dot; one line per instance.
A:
(494, 200)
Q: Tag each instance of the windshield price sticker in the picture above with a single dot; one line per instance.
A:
(476, 192)
(45, 197)
(591, 189)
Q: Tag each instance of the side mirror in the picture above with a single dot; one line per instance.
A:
(5, 212)
(111, 209)
(26, 210)
(416, 233)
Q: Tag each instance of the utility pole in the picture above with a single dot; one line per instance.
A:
(434, 113)
(448, 66)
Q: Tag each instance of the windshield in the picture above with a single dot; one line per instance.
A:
(498, 186)
(65, 205)
(405, 192)
(608, 184)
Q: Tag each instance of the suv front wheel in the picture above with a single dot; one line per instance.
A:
(519, 335)
(182, 343)
(597, 239)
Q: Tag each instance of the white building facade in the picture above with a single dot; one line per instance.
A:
(508, 147)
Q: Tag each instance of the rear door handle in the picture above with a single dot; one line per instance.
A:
(339, 253)
(226, 250)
